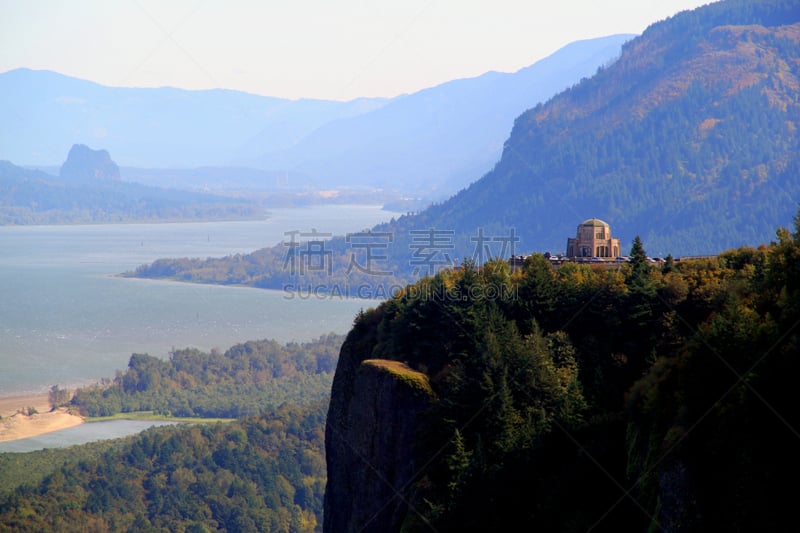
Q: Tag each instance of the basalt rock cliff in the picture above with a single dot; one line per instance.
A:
(370, 443)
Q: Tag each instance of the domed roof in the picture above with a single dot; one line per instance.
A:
(594, 222)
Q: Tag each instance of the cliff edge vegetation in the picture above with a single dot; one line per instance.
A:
(641, 398)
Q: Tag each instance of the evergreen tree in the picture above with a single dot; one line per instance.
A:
(638, 260)
(669, 264)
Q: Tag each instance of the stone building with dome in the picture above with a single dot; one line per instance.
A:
(593, 239)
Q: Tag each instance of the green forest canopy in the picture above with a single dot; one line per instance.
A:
(643, 398)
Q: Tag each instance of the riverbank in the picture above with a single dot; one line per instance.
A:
(14, 425)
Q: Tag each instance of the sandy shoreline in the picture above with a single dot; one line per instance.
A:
(14, 425)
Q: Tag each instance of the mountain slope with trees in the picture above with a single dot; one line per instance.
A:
(257, 474)
(687, 140)
(262, 472)
(246, 380)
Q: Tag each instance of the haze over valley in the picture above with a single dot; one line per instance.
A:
(424, 145)
(420, 267)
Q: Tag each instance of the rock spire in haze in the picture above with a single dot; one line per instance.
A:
(83, 163)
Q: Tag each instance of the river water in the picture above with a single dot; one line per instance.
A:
(66, 320)
(90, 432)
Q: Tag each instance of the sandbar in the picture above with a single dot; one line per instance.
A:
(14, 425)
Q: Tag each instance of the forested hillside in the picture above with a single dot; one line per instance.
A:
(247, 380)
(262, 473)
(643, 398)
(688, 140)
(259, 474)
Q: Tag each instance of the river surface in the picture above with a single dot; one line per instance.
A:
(66, 320)
(89, 432)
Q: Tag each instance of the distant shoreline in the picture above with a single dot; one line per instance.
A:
(134, 221)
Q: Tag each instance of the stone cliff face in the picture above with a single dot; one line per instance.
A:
(84, 164)
(676, 493)
(374, 415)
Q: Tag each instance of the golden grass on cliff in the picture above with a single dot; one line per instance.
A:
(413, 378)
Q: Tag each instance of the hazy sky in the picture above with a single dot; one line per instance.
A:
(338, 49)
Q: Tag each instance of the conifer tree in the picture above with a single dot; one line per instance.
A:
(669, 264)
(638, 259)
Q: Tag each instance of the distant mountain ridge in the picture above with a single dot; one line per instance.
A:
(442, 137)
(437, 139)
(46, 113)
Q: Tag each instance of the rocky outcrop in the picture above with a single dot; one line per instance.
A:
(373, 419)
(85, 164)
